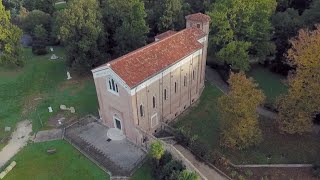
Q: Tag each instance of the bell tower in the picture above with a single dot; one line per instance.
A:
(200, 21)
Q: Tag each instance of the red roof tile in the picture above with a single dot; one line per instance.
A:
(143, 63)
(165, 34)
(198, 17)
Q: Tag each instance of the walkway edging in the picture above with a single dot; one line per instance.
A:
(270, 165)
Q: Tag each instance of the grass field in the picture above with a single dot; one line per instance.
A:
(26, 93)
(203, 121)
(67, 163)
(271, 83)
(60, 6)
(143, 173)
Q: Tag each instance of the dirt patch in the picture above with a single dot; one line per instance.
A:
(75, 84)
(30, 103)
(63, 118)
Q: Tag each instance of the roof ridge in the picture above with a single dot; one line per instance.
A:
(147, 46)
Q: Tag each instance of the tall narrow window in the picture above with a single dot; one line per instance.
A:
(110, 87)
(175, 87)
(154, 102)
(165, 94)
(141, 110)
(113, 86)
(193, 74)
(185, 81)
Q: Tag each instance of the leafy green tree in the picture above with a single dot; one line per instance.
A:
(240, 127)
(198, 6)
(171, 15)
(40, 33)
(156, 150)
(302, 103)
(35, 18)
(187, 175)
(81, 30)
(46, 6)
(286, 25)
(125, 24)
(311, 16)
(242, 27)
(10, 48)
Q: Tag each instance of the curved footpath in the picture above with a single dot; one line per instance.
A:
(214, 78)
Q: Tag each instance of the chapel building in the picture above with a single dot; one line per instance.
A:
(154, 84)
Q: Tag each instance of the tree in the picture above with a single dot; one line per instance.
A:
(10, 48)
(240, 29)
(35, 18)
(165, 15)
(187, 175)
(156, 150)
(81, 30)
(286, 25)
(240, 127)
(171, 15)
(46, 6)
(311, 16)
(198, 6)
(302, 103)
(125, 24)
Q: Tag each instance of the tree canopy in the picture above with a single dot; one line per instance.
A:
(125, 24)
(241, 29)
(10, 48)
(156, 150)
(240, 127)
(302, 103)
(81, 31)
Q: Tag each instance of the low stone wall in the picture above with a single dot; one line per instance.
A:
(270, 165)
(178, 156)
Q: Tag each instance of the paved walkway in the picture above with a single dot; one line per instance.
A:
(48, 135)
(214, 78)
(208, 172)
(18, 140)
(118, 157)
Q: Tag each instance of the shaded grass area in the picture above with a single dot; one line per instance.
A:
(272, 84)
(143, 173)
(33, 162)
(27, 92)
(60, 6)
(203, 121)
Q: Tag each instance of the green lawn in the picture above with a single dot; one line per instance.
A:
(33, 162)
(26, 93)
(203, 121)
(271, 83)
(60, 6)
(143, 173)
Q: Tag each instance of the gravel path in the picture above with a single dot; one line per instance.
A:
(18, 140)
(214, 78)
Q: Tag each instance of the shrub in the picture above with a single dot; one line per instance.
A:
(199, 148)
(248, 172)
(316, 169)
(169, 169)
(182, 136)
(39, 49)
(240, 177)
(166, 158)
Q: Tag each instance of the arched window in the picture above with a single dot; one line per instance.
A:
(154, 102)
(165, 94)
(141, 110)
(175, 87)
(113, 86)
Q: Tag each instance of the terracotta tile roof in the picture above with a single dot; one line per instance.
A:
(146, 62)
(198, 17)
(165, 34)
